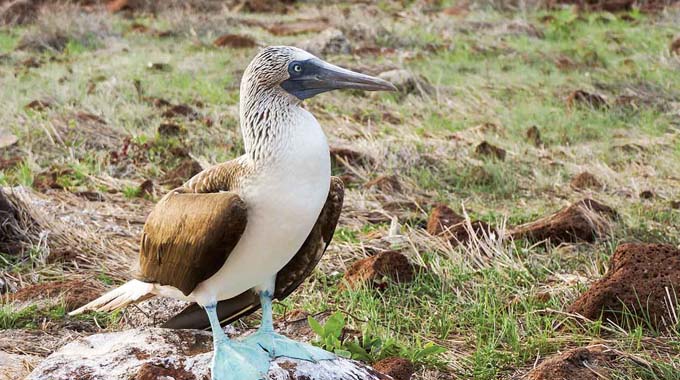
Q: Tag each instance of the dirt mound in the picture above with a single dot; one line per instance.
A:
(75, 293)
(446, 223)
(395, 367)
(588, 363)
(617, 5)
(488, 150)
(385, 183)
(379, 269)
(585, 180)
(636, 287)
(586, 220)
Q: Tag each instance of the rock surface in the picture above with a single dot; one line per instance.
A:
(13, 366)
(585, 180)
(640, 280)
(152, 353)
(586, 220)
(588, 363)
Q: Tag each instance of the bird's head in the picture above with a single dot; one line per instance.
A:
(300, 75)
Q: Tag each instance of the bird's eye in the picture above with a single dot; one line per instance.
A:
(297, 68)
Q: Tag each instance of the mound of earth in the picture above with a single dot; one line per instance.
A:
(586, 220)
(75, 293)
(445, 222)
(395, 367)
(588, 363)
(377, 270)
(585, 180)
(637, 287)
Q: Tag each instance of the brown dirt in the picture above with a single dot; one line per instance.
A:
(342, 155)
(585, 180)
(442, 217)
(446, 223)
(156, 371)
(617, 5)
(534, 136)
(180, 174)
(637, 279)
(375, 269)
(170, 130)
(75, 293)
(485, 149)
(235, 41)
(299, 26)
(39, 105)
(584, 98)
(181, 110)
(586, 220)
(675, 46)
(385, 183)
(395, 367)
(589, 363)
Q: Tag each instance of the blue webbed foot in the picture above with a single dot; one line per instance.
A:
(234, 360)
(278, 345)
(237, 361)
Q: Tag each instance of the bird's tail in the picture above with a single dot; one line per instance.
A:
(130, 292)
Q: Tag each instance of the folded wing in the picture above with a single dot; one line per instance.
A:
(287, 280)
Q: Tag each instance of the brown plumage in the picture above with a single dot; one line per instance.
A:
(188, 237)
(287, 280)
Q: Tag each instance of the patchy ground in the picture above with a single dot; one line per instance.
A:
(523, 148)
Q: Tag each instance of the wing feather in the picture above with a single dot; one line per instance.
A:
(288, 279)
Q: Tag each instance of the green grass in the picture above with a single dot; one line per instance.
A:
(475, 312)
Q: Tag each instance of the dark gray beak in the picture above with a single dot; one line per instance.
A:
(314, 76)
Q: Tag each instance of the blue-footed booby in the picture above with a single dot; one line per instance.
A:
(246, 231)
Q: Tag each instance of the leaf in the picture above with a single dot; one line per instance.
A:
(335, 324)
(343, 353)
(430, 349)
(316, 326)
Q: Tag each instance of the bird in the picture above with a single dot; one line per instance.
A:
(241, 233)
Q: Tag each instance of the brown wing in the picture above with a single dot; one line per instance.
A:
(188, 237)
(287, 280)
(192, 230)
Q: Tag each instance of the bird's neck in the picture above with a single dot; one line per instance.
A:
(267, 120)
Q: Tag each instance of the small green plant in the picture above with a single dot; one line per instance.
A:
(131, 192)
(368, 347)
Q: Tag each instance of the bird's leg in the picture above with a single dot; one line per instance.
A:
(278, 345)
(234, 360)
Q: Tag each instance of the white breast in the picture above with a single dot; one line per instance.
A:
(284, 201)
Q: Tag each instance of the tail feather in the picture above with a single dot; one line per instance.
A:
(130, 292)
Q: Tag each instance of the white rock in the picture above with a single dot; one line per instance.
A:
(178, 354)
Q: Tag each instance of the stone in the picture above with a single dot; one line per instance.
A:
(637, 286)
(186, 169)
(15, 366)
(395, 367)
(407, 82)
(330, 41)
(379, 269)
(585, 180)
(155, 353)
(586, 220)
(587, 363)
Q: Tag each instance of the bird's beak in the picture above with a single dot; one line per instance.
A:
(316, 76)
